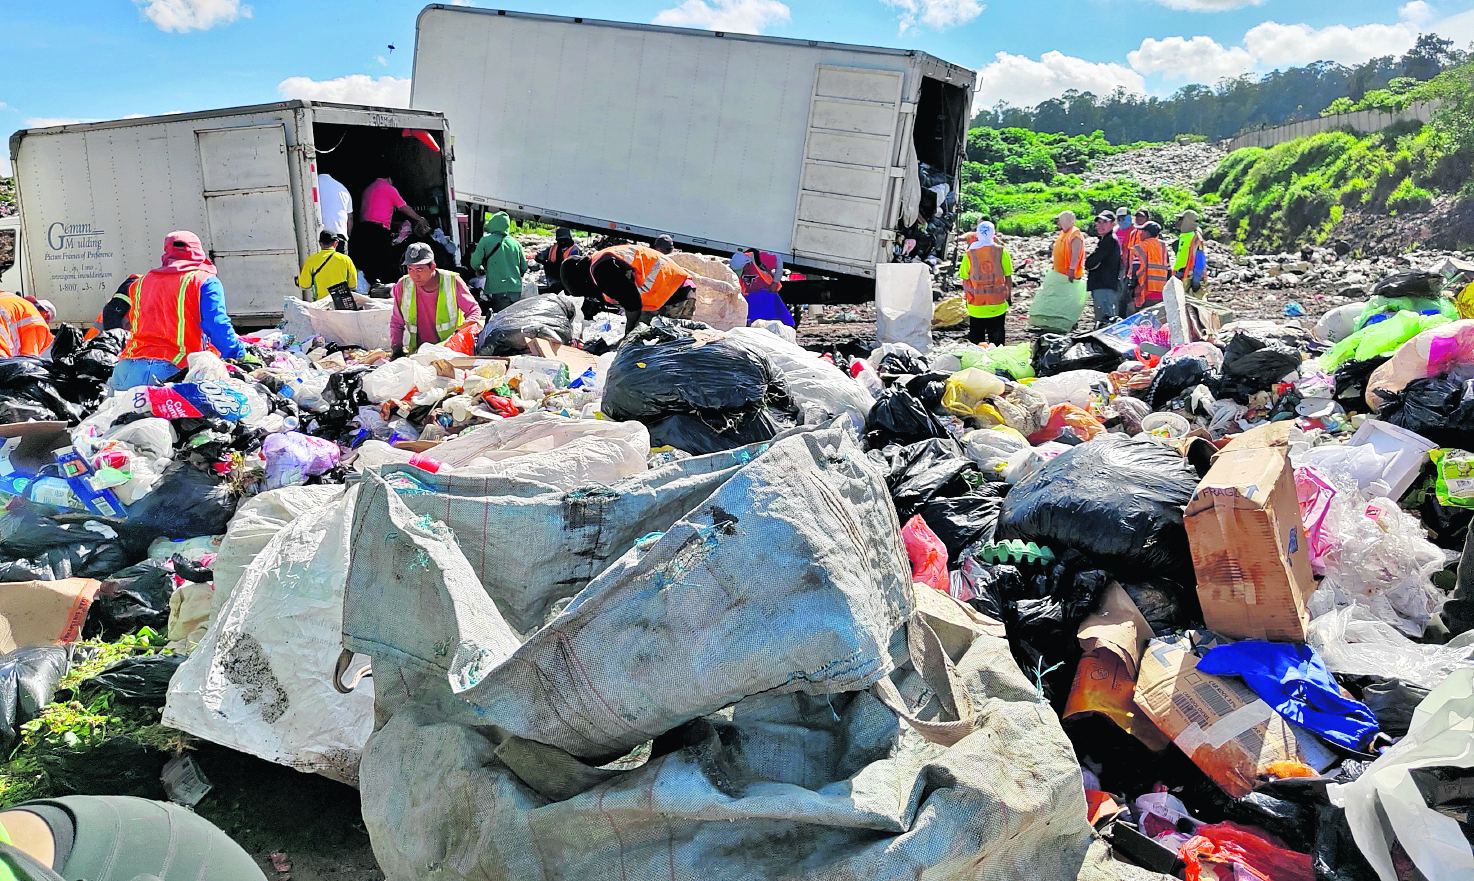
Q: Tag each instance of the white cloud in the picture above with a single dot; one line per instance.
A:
(358, 88)
(179, 16)
(1417, 12)
(1201, 59)
(1281, 44)
(737, 16)
(383, 62)
(48, 121)
(460, 2)
(936, 14)
(1024, 82)
(1209, 5)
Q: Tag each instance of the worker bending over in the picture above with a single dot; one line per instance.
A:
(987, 285)
(429, 304)
(23, 329)
(636, 278)
(1149, 267)
(174, 311)
(551, 259)
(327, 269)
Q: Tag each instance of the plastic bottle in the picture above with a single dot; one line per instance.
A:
(425, 463)
(867, 377)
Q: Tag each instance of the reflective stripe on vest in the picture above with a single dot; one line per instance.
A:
(157, 343)
(657, 277)
(1062, 248)
(1156, 267)
(448, 315)
(985, 285)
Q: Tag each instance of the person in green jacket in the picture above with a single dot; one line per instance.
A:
(500, 258)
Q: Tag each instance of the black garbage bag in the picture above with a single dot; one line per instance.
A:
(1056, 353)
(37, 547)
(81, 372)
(899, 418)
(27, 380)
(131, 598)
(546, 317)
(1413, 283)
(920, 472)
(902, 363)
(1390, 699)
(1173, 379)
(967, 520)
(1118, 500)
(1351, 382)
(185, 503)
(142, 680)
(28, 680)
(1439, 408)
(1166, 605)
(1336, 855)
(1258, 361)
(928, 388)
(722, 389)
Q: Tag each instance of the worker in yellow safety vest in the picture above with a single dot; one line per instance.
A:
(1150, 268)
(987, 285)
(429, 304)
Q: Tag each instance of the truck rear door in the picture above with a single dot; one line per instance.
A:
(848, 155)
(248, 207)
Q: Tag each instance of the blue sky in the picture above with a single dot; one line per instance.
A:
(105, 59)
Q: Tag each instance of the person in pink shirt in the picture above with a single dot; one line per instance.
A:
(441, 303)
(370, 245)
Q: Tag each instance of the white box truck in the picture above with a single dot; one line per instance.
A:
(724, 141)
(96, 200)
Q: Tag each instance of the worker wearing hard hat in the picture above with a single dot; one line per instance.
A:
(637, 278)
(174, 311)
(23, 329)
(430, 304)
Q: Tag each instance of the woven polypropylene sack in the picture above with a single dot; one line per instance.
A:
(920, 777)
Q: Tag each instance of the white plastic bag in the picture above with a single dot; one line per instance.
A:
(1385, 803)
(395, 380)
(1070, 387)
(809, 378)
(903, 304)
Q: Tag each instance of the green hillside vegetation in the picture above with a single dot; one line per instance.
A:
(1021, 179)
(1299, 191)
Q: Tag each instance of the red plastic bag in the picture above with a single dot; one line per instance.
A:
(464, 340)
(928, 554)
(1250, 853)
(1068, 417)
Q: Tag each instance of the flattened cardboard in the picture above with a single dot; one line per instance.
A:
(1248, 544)
(35, 613)
(1113, 640)
(1219, 722)
(577, 359)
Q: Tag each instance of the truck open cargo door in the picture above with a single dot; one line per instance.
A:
(248, 208)
(846, 185)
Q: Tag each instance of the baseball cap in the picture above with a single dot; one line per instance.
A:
(418, 254)
(1142, 212)
(1105, 217)
(1123, 211)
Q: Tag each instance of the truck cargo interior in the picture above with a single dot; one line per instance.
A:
(938, 133)
(355, 155)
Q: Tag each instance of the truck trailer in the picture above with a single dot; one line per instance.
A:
(821, 153)
(96, 200)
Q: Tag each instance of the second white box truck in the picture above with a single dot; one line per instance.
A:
(810, 150)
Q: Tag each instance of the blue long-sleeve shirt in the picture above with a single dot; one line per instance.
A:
(215, 321)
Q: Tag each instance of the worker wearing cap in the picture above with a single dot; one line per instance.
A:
(23, 329)
(987, 285)
(1103, 271)
(760, 274)
(1191, 262)
(1133, 237)
(174, 311)
(430, 304)
(326, 268)
(501, 259)
(1123, 228)
(636, 278)
(1149, 266)
(551, 259)
(664, 244)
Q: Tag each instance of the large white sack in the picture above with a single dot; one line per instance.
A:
(809, 378)
(253, 525)
(719, 300)
(903, 304)
(368, 326)
(817, 715)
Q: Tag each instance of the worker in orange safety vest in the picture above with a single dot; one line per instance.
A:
(23, 329)
(636, 278)
(1150, 266)
(987, 285)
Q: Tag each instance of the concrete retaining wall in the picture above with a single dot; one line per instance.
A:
(1362, 122)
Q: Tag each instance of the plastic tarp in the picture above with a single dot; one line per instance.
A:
(832, 723)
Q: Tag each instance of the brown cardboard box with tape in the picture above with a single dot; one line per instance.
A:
(1248, 544)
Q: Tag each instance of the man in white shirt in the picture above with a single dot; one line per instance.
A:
(336, 205)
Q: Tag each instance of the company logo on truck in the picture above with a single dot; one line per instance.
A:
(69, 236)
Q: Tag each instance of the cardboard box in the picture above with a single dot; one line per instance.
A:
(1248, 545)
(1218, 721)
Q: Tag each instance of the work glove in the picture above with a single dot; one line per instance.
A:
(397, 353)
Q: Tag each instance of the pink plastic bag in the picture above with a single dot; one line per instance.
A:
(927, 553)
(1428, 354)
(1315, 502)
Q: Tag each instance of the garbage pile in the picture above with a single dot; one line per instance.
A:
(1183, 595)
